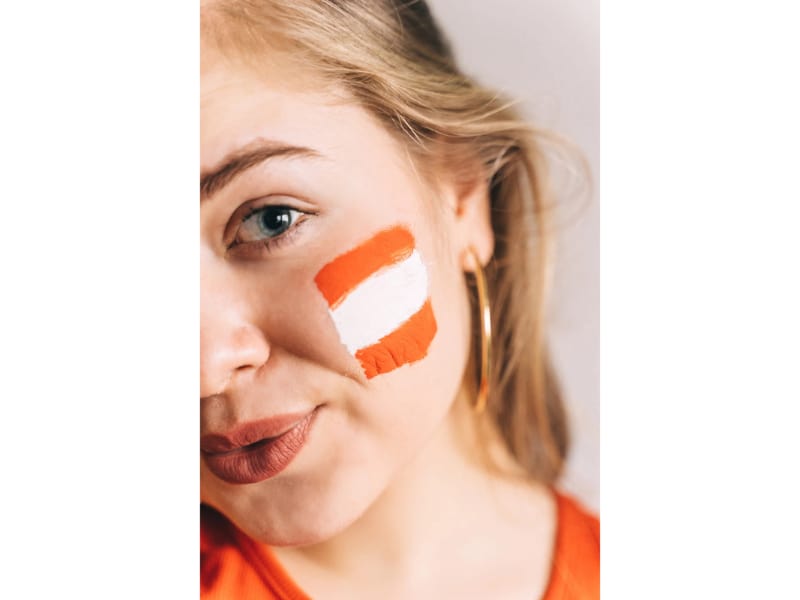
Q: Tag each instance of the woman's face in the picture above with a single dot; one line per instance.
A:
(303, 196)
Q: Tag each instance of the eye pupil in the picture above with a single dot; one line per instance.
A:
(276, 220)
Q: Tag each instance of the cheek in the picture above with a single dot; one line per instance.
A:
(405, 407)
(439, 377)
(429, 386)
(299, 324)
(406, 322)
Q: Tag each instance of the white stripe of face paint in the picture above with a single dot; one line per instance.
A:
(382, 303)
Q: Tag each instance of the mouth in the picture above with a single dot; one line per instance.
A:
(259, 450)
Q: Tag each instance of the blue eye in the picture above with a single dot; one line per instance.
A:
(266, 223)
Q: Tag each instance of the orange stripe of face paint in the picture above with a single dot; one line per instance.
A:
(340, 276)
(409, 343)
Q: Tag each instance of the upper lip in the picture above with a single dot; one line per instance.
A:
(246, 434)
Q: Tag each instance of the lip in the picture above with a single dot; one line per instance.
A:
(259, 450)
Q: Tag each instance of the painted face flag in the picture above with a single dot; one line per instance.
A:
(378, 298)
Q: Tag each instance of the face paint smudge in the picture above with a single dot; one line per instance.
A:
(377, 295)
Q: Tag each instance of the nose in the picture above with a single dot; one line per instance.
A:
(232, 346)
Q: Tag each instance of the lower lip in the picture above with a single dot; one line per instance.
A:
(261, 460)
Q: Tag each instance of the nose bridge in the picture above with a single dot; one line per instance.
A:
(231, 341)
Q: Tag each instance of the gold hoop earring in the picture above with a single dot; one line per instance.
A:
(486, 334)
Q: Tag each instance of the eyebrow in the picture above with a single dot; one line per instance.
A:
(242, 159)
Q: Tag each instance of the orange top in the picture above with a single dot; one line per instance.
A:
(234, 566)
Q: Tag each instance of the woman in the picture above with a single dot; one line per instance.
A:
(368, 430)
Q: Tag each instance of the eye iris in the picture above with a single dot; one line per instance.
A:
(275, 221)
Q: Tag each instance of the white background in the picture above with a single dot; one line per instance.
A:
(699, 297)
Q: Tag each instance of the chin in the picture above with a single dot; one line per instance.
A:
(299, 512)
(294, 532)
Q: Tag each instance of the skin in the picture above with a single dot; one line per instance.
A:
(387, 498)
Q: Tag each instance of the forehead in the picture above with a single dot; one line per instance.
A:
(239, 104)
(279, 101)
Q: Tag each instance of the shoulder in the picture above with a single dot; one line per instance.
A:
(576, 555)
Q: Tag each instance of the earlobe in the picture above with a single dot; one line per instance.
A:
(472, 260)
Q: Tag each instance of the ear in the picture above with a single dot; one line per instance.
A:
(472, 224)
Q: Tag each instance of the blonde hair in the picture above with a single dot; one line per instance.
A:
(391, 57)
